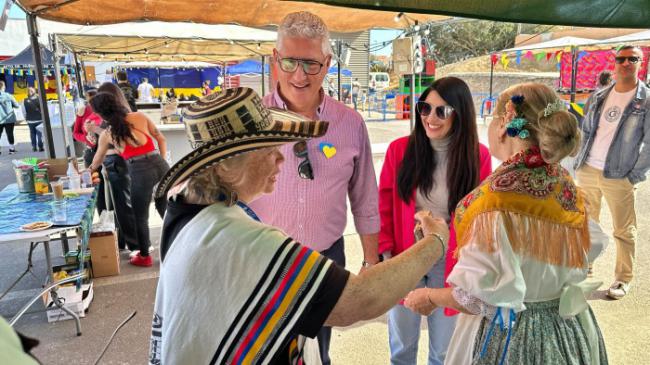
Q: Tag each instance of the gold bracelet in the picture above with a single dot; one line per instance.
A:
(442, 244)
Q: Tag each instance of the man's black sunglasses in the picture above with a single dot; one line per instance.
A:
(304, 168)
(631, 59)
(442, 111)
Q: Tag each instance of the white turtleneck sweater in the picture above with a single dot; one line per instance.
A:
(438, 195)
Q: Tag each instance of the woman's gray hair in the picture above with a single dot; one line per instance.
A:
(304, 24)
(222, 178)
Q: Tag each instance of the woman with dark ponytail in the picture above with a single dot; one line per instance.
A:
(132, 135)
(432, 169)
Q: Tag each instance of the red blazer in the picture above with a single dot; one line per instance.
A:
(397, 217)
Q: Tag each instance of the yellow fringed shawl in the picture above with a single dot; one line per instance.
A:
(542, 211)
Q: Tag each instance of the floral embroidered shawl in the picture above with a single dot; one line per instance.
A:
(543, 213)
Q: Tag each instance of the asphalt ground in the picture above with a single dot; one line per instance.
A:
(625, 323)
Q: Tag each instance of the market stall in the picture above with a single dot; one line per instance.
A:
(36, 219)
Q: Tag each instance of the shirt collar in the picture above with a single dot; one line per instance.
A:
(283, 105)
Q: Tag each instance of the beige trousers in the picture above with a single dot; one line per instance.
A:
(619, 195)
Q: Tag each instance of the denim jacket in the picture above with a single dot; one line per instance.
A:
(7, 105)
(629, 154)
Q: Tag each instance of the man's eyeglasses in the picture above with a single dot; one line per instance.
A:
(310, 67)
(305, 170)
(632, 59)
(442, 111)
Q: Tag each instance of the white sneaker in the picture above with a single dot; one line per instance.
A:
(618, 289)
(135, 252)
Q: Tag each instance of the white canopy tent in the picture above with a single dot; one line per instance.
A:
(145, 41)
(160, 41)
(554, 43)
(630, 38)
(161, 64)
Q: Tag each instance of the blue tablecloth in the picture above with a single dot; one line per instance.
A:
(17, 209)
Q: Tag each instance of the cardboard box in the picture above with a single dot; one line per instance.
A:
(104, 254)
(77, 301)
(73, 269)
(57, 167)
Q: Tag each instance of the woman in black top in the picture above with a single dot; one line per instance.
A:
(34, 118)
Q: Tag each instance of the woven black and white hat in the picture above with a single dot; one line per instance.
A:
(232, 122)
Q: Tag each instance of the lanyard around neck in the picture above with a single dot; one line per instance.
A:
(248, 210)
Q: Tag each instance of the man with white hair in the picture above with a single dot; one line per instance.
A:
(310, 202)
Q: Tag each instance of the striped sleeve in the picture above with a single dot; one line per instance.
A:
(322, 304)
(289, 284)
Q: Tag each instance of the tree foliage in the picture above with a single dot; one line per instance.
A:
(458, 41)
(377, 65)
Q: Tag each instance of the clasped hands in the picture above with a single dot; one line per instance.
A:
(418, 300)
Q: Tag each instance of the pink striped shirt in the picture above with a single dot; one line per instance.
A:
(314, 212)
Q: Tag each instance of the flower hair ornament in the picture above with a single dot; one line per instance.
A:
(556, 106)
(516, 126)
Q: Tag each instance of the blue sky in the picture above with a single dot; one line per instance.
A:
(382, 35)
(15, 11)
(376, 36)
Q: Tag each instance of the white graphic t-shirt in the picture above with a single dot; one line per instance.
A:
(610, 117)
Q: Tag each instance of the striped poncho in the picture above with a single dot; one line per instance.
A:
(235, 291)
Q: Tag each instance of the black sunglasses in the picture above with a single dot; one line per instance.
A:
(305, 170)
(442, 111)
(631, 59)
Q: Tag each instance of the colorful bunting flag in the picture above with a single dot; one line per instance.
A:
(581, 54)
(494, 59)
(548, 55)
(11, 71)
(539, 56)
(518, 59)
(529, 55)
(558, 55)
(505, 61)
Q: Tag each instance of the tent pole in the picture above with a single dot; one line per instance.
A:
(574, 69)
(38, 64)
(160, 88)
(78, 71)
(263, 64)
(61, 95)
(338, 64)
(491, 76)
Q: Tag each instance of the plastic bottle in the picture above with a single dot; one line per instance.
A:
(73, 177)
(86, 179)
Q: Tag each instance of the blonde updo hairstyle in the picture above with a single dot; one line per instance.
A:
(557, 134)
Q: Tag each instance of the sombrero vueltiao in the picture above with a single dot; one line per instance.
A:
(232, 122)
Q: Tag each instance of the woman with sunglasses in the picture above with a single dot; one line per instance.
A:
(432, 169)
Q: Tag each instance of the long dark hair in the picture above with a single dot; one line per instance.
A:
(419, 163)
(114, 112)
(111, 88)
